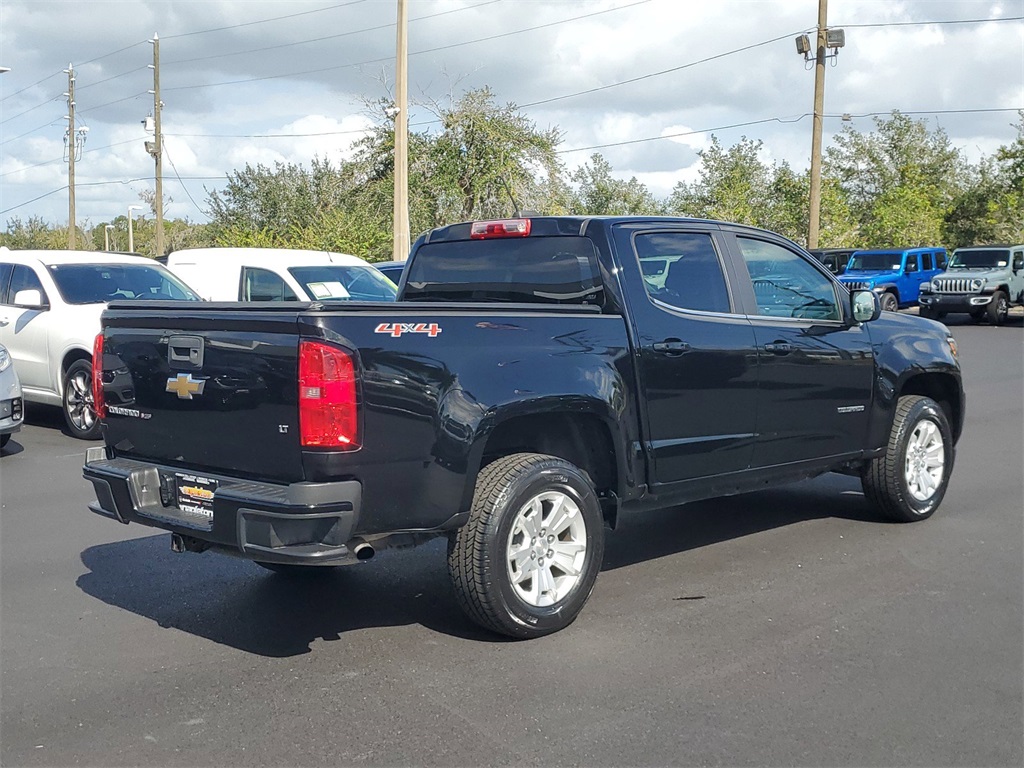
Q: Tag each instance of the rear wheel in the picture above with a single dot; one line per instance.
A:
(526, 562)
(998, 308)
(908, 481)
(889, 302)
(77, 403)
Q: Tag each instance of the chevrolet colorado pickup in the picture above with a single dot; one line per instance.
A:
(536, 378)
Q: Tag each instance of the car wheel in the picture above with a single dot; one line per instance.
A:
(889, 302)
(527, 560)
(998, 308)
(293, 570)
(79, 412)
(908, 481)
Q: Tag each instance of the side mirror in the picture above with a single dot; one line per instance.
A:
(30, 298)
(865, 306)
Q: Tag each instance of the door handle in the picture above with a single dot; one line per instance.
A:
(671, 347)
(779, 348)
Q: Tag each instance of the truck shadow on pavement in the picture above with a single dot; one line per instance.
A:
(236, 603)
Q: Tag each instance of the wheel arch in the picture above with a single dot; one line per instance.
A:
(586, 439)
(71, 356)
(944, 390)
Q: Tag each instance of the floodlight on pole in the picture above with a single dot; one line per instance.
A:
(131, 236)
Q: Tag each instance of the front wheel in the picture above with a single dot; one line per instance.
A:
(526, 562)
(77, 403)
(998, 308)
(908, 481)
(889, 302)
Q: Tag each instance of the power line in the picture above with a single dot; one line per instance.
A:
(38, 82)
(931, 23)
(264, 21)
(30, 109)
(329, 37)
(113, 77)
(34, 199)
(795, 119)
(413, 53)
(178, 176)
(26, 133)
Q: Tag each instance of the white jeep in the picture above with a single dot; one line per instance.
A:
(50, 305)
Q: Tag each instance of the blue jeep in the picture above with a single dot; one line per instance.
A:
(896, 275)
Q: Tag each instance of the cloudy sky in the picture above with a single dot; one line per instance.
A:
(644, 82)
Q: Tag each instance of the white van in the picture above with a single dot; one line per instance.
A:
(279, 274)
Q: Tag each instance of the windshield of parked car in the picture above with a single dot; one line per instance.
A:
(100, 283)
(989, 258)
(333, 282)
(553, 270)
(874, 262)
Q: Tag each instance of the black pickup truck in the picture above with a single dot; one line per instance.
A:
(536, 378)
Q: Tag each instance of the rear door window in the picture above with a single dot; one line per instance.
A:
(682, 269)
(264, 285)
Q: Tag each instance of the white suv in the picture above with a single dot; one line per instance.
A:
(50, 305)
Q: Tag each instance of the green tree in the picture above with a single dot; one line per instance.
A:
(597, 193)
(733, 185)
(900, 180)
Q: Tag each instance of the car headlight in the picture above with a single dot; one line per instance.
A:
(952, 345)
(977, 283)
(5, 359)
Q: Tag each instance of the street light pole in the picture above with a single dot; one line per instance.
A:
(106, 236)
(131, 236)
(814, 219)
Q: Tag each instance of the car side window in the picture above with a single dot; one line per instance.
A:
(926, 261)
(264, 285)
(785, 285)
(911, 262)
(24, 278)
(682, 269)
(5, 279)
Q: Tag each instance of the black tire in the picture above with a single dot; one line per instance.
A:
(930, 313)
(509, 493)
(919, 429)
(889, 302)
(294, 571)
(998, 309)
(77, 403)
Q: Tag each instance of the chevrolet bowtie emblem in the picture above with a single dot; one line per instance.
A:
(185, 386)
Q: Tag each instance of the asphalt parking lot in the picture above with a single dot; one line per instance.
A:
(787, 627)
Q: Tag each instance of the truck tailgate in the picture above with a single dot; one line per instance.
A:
(207, 389)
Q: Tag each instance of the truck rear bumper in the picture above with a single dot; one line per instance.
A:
(301, 523)
(956, 302)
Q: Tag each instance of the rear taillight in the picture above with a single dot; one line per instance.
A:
(483, 230)
(99, 404)
(328, 414)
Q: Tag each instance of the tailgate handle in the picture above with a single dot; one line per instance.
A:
(185, 350)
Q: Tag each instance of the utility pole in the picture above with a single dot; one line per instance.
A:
(401, 216)
(71, 143)
(825, 40)
(814, 223)
(156, 148)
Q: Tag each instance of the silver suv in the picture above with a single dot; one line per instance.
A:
(983, 281)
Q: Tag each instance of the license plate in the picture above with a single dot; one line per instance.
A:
(195, 493)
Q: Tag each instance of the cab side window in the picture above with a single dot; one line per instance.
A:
(5, 279)
(264, 285)
(911, 263)
(785, 285)
(682, 269)
(24, 278)
(926, 261)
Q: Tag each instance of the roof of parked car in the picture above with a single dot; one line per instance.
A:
(71, 257)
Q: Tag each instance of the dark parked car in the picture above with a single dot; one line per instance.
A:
(392, 269)
(536, 379)
(833, 258)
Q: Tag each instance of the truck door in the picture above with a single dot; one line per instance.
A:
(697, 364)
(816, 368)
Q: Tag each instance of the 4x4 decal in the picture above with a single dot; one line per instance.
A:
(397, 329)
